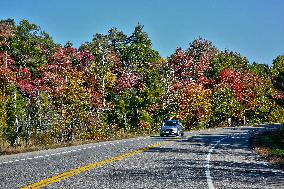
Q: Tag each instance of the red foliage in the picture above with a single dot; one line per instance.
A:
(127, 81)
(54, 75)
(181, 64)
(189, 68)
(207, 83)
(63, 75)
(84, 57)
(202, 65)
(250, 81)
(28, 86)
(233, 79)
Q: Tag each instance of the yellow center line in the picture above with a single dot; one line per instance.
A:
(85, 168)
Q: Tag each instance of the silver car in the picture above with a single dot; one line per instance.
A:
(171, 127)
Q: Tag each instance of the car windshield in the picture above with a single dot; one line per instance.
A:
(171, 123)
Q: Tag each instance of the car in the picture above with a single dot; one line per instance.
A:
(171, 127)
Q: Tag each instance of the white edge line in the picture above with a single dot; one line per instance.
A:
(207, 171)
(64, 152)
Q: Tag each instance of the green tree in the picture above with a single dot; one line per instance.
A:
(262, 70)
(277, 71)
(16, 114)
(227, 60)
(31, 47)
(224, 106)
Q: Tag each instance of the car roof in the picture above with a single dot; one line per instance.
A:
(172, 121)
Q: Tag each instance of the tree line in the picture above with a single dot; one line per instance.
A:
(118, 84)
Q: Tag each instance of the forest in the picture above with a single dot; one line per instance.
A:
(117, 84)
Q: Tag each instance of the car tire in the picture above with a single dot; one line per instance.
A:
(182, 134)
(178, 133)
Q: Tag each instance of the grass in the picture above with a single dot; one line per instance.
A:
(270, 145)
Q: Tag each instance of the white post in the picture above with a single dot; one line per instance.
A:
(16, 118)
(245, 123)
(230, 121)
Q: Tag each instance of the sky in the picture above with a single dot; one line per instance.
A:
(253, 28)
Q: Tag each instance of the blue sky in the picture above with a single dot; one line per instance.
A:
(254, 28)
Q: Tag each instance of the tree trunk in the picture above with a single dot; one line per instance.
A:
(16, 135)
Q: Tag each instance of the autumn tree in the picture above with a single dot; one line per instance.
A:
(118, 84)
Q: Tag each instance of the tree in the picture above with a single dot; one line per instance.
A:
(137, 54)
(31, 47)
(277, 71)
(232, 79)
(194, 104)
(117, 84)
(224, 106)
(261, 70)
(202, 52)
(139, 36)
(71, 97)
(257, 102)
(227, 59)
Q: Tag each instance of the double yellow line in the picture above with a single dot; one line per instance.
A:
(79, 170)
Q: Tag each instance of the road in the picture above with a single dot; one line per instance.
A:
(216, 158)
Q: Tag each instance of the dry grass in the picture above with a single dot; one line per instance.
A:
(270, 146)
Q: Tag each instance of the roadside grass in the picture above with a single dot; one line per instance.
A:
(270, 145)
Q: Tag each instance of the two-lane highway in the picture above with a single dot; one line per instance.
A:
(217, 158)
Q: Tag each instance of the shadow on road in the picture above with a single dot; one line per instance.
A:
(181, 163)
(232, 160)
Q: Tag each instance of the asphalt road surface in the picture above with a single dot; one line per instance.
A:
(216, 158)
